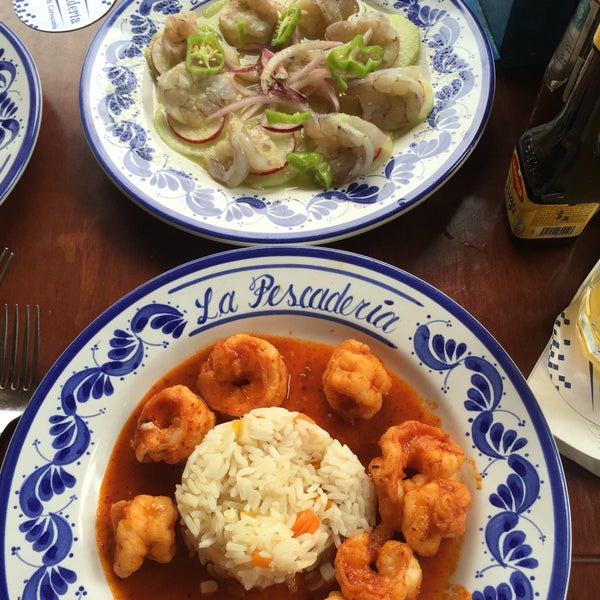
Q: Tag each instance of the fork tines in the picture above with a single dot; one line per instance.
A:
(19, 351)
(5, 258)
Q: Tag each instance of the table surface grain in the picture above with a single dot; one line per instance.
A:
(80, 244)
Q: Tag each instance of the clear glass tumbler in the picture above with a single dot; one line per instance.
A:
(588, 319)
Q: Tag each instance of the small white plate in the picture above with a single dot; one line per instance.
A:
(518, 541)
(60, 15)
(117, 108)
(20, 109)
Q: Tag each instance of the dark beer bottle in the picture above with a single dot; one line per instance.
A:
(553, 184)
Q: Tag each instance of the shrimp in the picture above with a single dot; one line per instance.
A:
(172, 423)
(350, 144)
(169, 48)
(390, 98)
(227, 161)
(243, 372)
(245, 149)
(424, 448)
(416, 446)
(375, 29)
(191, 98)
(355, 381)
(434, 509)
(248, 23)
(143, 528)
(316, 15)
(396, 574)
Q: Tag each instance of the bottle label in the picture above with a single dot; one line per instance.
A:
(542, 221)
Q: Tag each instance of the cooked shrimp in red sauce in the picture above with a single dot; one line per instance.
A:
(355, 381)
(143, 528)
(171, 425)
(368, 569)
(241, 373)
(434, 508)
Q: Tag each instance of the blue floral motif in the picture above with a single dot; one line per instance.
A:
(8, 72)
(202, 201)
(325, 203)
(49, 532)
(280, 212)
(440, 32)
(9, 125)
(164, 7)
(422, 16)
(519, 588)
(505, 538)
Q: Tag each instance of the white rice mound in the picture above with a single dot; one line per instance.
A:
(245, 483)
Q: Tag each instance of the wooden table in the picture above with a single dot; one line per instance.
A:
(80, 244)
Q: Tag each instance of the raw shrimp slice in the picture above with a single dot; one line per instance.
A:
(248, 23)
(227, 162)
(169, 48)
(316, 15)
(375, 29)
(191, 98)
(390, 98)
(350, 144)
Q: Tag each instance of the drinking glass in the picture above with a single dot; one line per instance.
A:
(588, 319)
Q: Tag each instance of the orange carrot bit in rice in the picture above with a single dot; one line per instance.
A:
(236, 425)
(306, 522)
(259, 560)
(304, 417)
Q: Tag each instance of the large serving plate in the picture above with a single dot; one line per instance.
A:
(518, 532)
(117, 106)
(20, 109)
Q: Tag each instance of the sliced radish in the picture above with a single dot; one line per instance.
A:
(279, 122)
(282, 127)
(206, 132)
(160, 62)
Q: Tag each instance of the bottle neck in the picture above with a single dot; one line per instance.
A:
(584, 97)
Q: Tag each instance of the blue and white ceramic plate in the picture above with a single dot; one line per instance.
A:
(20, 109)
(518, 537)
(117, 107)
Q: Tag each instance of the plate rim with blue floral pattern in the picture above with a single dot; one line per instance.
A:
(20, 109)
(117, 105)
(518, 540)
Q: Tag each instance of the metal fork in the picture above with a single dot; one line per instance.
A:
(5, 257)
(19, 356)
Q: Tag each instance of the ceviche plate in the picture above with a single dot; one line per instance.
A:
(20, 109)
(518, 538)
(117, 107)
